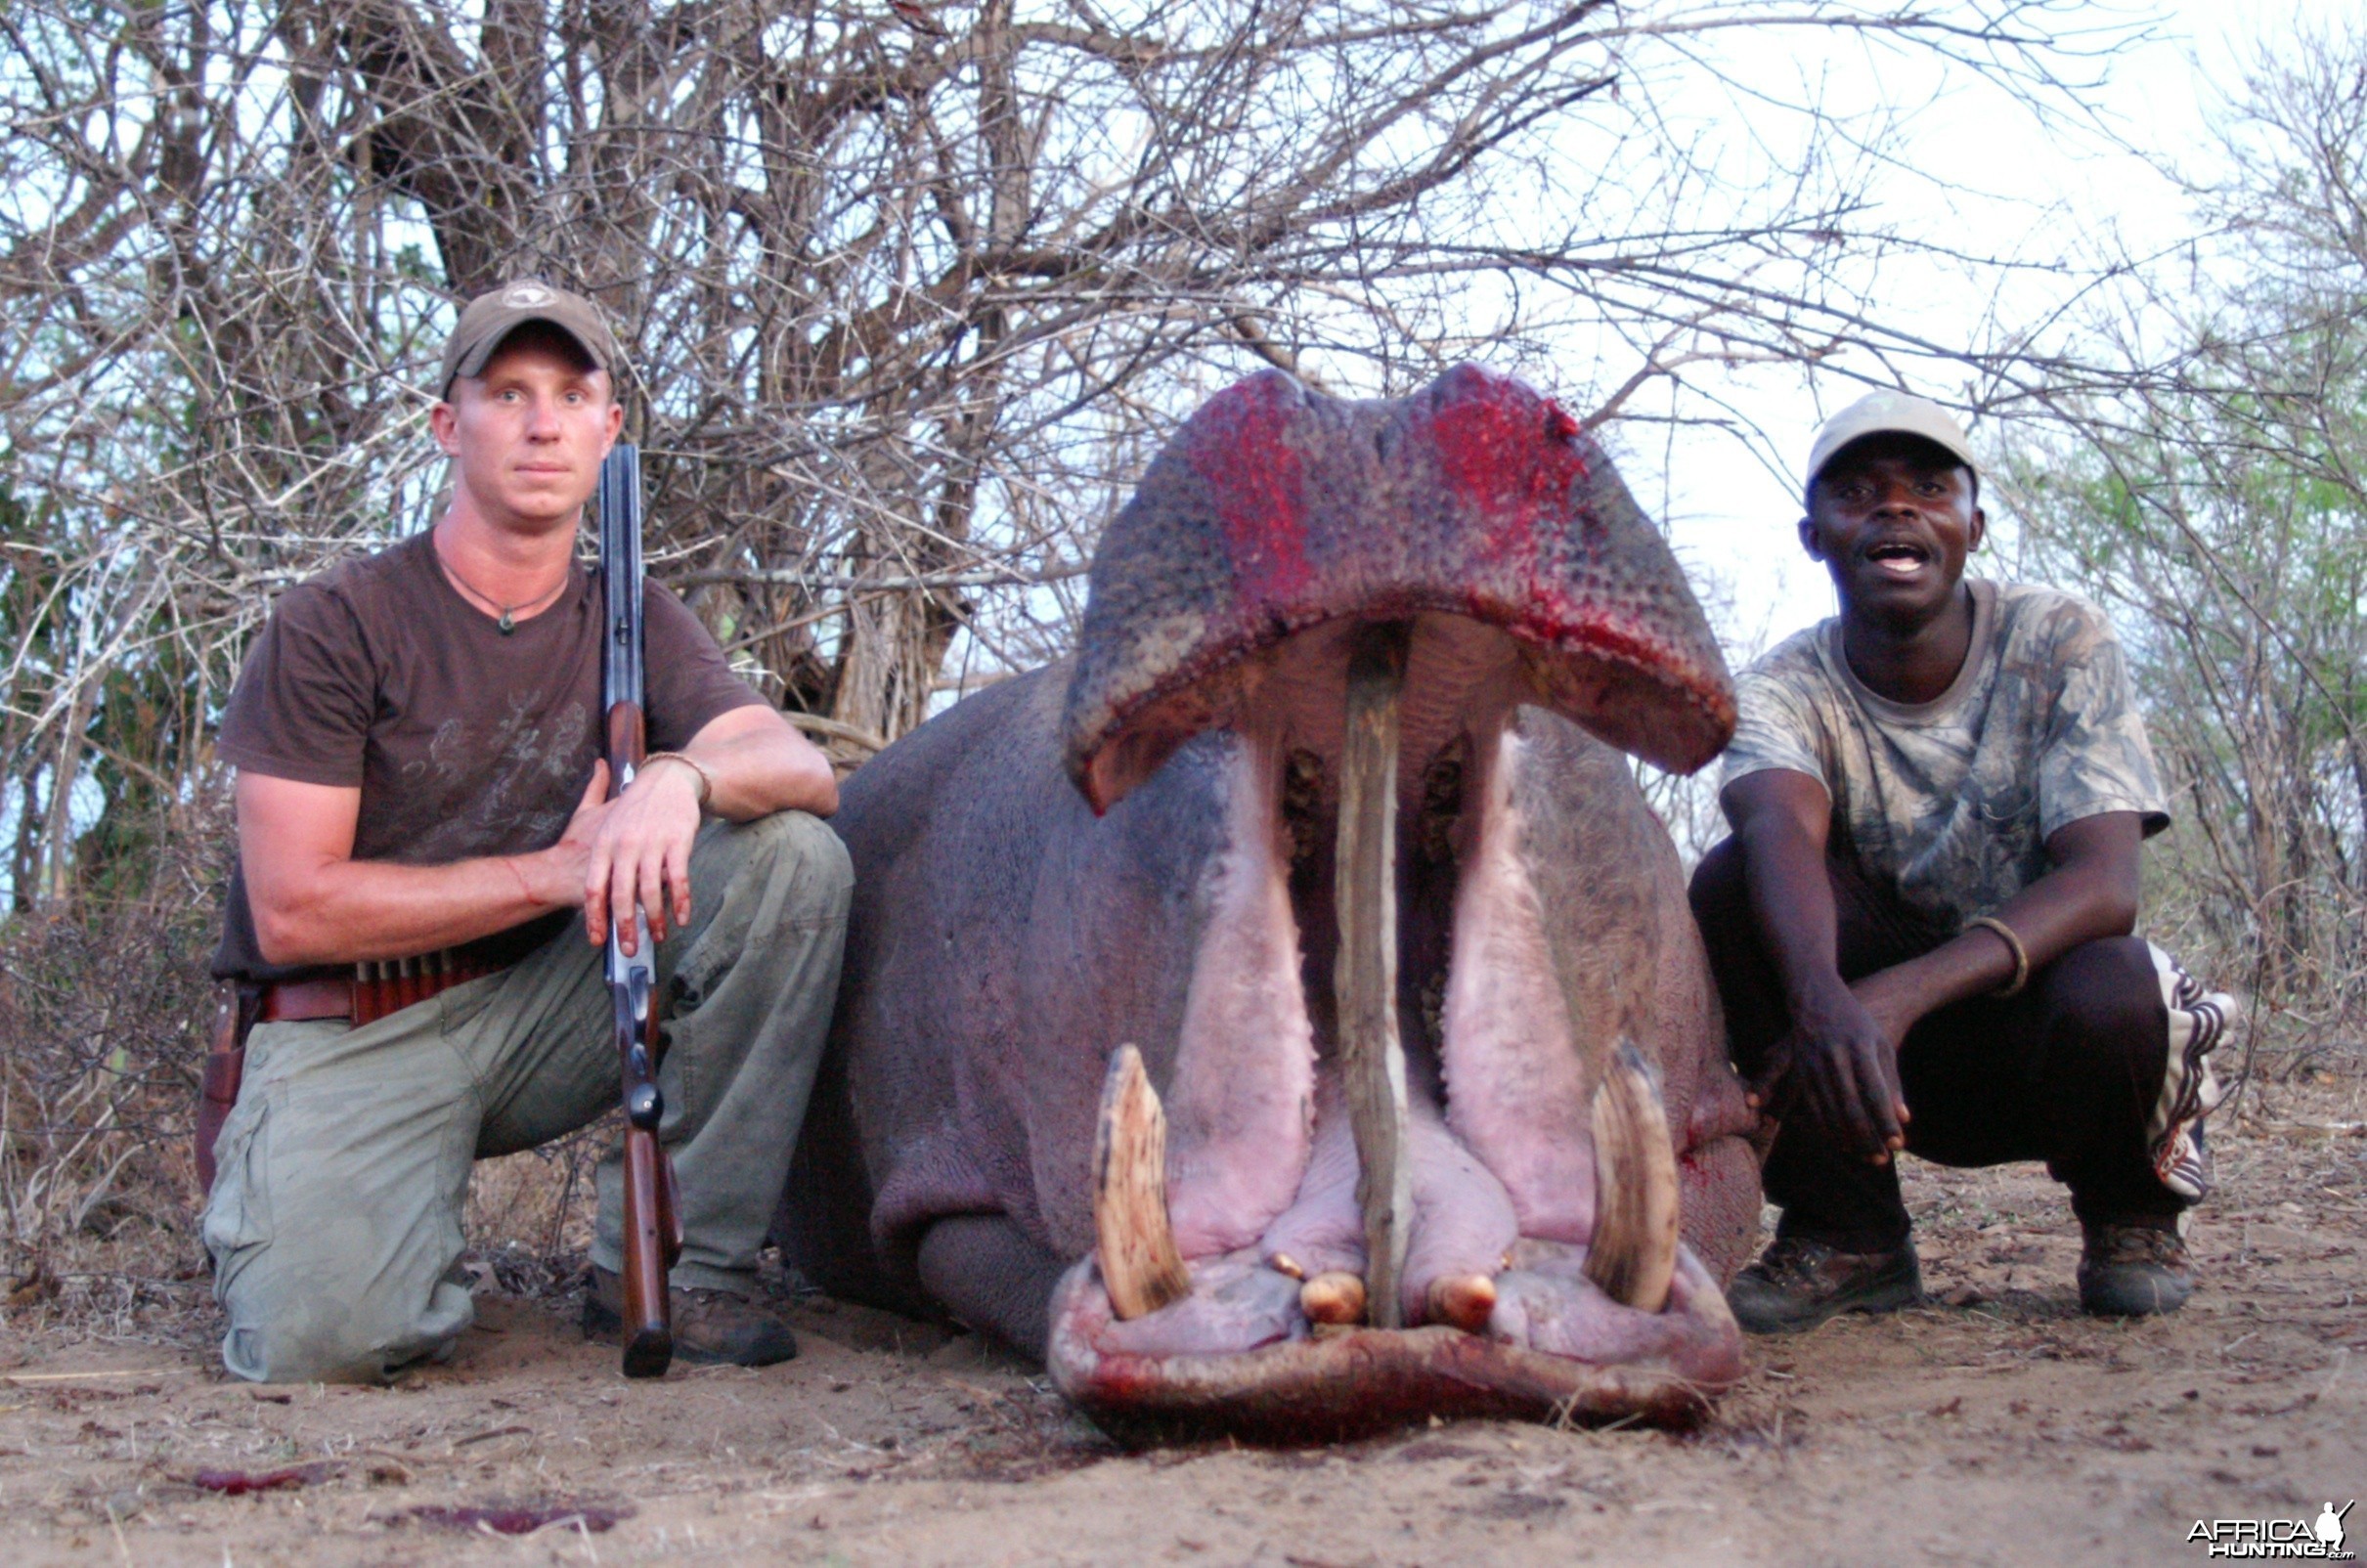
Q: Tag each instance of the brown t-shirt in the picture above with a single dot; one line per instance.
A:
(464, 742)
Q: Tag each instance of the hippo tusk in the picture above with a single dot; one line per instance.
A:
(1140, 1265)
(1333, 1297)
(1371, 1058)
(1465, 1300)
(1633, 1255)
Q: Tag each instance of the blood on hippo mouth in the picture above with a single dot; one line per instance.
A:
(1382, 1179)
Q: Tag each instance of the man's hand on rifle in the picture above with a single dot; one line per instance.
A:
(633, 852)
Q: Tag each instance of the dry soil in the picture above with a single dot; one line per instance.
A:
(1996, 1425)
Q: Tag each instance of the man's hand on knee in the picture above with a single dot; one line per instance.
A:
(637, 854)
(1840, 1063)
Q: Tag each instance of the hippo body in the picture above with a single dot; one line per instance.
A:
(1133, 848)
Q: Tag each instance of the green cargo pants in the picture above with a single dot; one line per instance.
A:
(335, 1219)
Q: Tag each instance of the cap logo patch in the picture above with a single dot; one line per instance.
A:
(526, 295)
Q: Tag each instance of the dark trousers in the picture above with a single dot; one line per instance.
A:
(2064, 1072)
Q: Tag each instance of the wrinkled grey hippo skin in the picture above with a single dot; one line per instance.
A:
(1005, 939)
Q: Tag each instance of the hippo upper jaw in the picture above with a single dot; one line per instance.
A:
(1275, 510)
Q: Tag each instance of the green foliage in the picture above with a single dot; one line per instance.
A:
(2217, 498)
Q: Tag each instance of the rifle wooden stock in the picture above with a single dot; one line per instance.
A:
(627, 742)
(653, 1229)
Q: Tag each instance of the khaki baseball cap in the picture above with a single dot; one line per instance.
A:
(493, 317)
(1886, 413)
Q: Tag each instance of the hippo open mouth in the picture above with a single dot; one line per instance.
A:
(1392, 1171)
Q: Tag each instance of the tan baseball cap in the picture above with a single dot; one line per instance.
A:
(492, 317)
(1885, 413)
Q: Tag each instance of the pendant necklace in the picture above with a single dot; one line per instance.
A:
(506, 621)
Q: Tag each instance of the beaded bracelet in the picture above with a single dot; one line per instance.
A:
(2021, 957)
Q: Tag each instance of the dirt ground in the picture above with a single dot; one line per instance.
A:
(1995, 1425)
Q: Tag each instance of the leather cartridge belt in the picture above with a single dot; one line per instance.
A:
(374, 988)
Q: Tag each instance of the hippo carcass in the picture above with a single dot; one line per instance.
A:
(1120, 1071)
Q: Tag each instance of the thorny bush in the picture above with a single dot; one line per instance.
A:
(104, 1016)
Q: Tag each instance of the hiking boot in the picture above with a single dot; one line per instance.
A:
(2135, 1268)
(709, 1325)
(1798, 1283)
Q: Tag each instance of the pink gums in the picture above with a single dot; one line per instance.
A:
(1254, 476)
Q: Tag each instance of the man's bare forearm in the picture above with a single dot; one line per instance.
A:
(1779, 825)
(757, 764)
(2091, 894)
(1792, 904)
(1844, 1058)
(313, 904)
(349, 910)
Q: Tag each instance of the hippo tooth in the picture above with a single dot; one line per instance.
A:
(1284, 1263)
(1371, 1058)
(1633, 1255)
(1333, 1297)
(1465, 1300)
(1140, 1265)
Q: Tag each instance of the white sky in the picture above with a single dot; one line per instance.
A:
(2025, 188)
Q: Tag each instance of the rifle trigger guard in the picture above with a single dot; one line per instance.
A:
(644, 1106)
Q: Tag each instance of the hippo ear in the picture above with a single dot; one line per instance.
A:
(1127, 756)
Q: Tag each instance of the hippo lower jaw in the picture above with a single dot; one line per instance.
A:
(1532, 1264)
(1337, 1383)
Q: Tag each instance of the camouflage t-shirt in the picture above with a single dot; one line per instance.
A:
(1951, 802)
